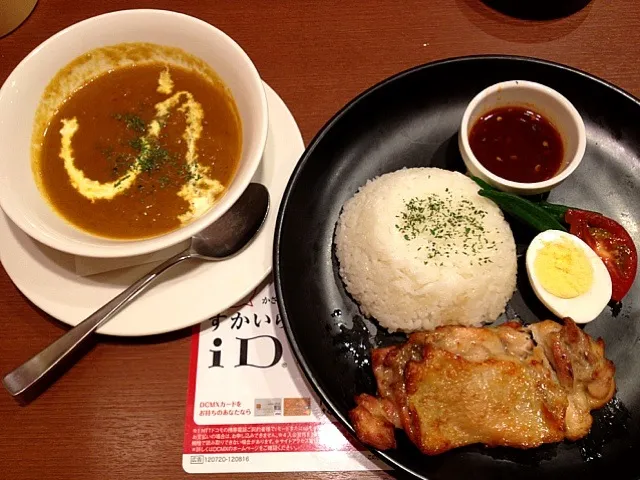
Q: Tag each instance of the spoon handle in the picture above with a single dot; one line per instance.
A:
(27, 376)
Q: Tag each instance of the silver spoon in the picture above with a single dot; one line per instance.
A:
(223, 239)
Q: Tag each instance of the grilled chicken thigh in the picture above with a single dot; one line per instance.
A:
(509, 385)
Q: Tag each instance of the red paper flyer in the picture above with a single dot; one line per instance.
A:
(249, 408)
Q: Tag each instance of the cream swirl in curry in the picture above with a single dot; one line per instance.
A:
(140, 150)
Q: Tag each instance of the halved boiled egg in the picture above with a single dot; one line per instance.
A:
(567, 276)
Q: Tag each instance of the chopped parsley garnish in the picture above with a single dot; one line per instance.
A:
(117, 184)
(136, 144)
(152, 156)
(445, 226)
(132, 121)
(149, 155)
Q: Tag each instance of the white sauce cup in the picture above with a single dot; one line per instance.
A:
(541, 99)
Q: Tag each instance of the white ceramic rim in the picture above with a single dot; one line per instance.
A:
(127, 248)
(573, 113)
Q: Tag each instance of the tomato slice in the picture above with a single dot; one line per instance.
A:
(611, 242)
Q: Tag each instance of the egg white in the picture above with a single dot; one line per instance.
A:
(585, 307)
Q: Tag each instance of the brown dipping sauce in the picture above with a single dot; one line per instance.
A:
(114, 112)
(517, 144)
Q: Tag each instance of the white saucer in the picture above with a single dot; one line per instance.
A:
(186, 295)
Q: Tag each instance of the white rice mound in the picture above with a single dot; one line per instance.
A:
(407, 278)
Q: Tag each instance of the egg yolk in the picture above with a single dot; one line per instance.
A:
(563, 269)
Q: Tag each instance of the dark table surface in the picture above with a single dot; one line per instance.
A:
(119, 413)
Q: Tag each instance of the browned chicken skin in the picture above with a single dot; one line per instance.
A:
(501, 386)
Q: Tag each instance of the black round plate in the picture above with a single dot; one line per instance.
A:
(538, 9)
(411, 120)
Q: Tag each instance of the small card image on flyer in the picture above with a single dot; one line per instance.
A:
(268, 407)
(297, 407)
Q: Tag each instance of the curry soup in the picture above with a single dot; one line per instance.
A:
(140, 151)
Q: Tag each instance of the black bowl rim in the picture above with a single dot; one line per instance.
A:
(305, 157)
